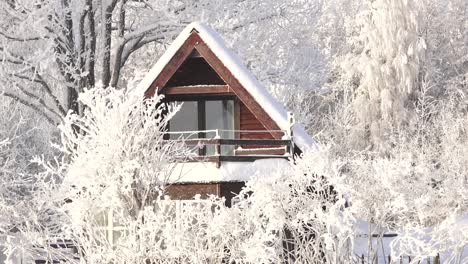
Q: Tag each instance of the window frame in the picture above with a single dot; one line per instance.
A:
(110, 226)
(201, 111)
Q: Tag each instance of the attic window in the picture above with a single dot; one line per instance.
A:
(195, 71)
(200, 119)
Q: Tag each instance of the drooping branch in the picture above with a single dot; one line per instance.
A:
(14, 38)
(30, 105)
(37, 78)
(130, 48)
(147, 30)
(39, 100)
(136, 43)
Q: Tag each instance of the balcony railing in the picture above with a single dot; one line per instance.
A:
(213, 147)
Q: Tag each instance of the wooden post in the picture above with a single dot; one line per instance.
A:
(218, 152)
(218, 149)
(290, 132)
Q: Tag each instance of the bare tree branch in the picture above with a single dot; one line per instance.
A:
(39, 100)
(19, 38)
(37, 78)
(137, 44)
(146, 30)
(29, 104)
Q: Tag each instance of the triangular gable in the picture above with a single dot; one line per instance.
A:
(195, 71)
(240, 81)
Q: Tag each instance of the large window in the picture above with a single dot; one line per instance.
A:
(186, 120)
(197, 116)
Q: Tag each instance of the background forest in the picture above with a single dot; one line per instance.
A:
(382, 85)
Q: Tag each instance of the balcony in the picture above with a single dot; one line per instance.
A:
(211, 146)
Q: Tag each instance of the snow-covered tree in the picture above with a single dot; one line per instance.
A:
(386, 66)
(381, 55)
(113, 156)
(52, 50)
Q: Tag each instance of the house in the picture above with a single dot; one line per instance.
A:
(244, 130)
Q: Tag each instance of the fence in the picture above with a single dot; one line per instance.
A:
(401, 260)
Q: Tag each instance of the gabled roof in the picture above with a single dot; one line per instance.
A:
(260, 94)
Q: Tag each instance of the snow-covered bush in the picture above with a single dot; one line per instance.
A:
(119, 166)
(113, 158)
(302, 207)
(416, 189)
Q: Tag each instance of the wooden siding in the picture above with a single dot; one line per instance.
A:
(179, 57)
(198, 90)
(240, 91)
(195, 71)
(187, 191)
(248, 121)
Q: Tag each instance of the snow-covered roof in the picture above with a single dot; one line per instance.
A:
(232, 62)
(206, 172)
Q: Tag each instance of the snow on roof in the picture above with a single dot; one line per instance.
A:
(206, 172)
(214, 41)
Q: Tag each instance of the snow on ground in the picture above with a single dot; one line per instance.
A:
(458, 232)
(361, 242)
(205, 172)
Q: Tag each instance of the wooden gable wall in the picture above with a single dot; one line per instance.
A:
(171, 81)
(248, 121)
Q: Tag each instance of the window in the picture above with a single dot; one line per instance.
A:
(201, 117)
(109, 226)
(185, 120)
(184, 216)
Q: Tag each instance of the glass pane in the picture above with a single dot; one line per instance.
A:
(185, 120)
(116, 235)
(220, 115)
(101, 219)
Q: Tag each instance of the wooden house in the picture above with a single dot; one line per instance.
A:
(245, 131)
